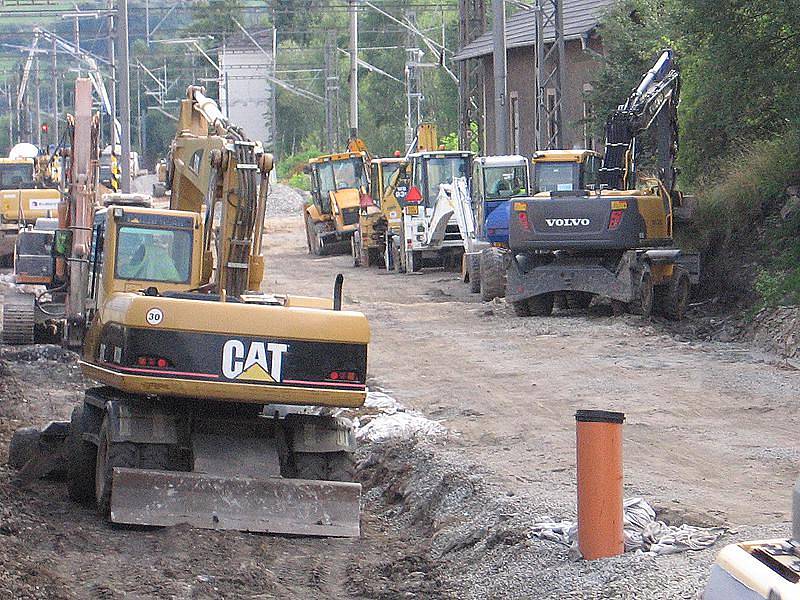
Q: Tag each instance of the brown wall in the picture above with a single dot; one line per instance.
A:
(581, 68)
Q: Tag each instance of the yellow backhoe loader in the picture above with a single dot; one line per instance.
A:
(196, 418)
(338, 182)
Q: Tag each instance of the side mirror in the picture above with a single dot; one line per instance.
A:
(62, 243)
(307, 169)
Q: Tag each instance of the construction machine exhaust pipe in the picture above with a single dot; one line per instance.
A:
(337, 292)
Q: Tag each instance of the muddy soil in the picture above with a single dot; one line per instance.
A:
(710, 438)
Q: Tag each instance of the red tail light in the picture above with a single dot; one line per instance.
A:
(153, 362)
(523, 220)
(342, 376)
(615, 219)
(414, 195)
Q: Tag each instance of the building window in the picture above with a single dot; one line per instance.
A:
(514, 114)
(588, 113)
(550, 96)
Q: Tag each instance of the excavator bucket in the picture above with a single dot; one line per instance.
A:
(269, 505)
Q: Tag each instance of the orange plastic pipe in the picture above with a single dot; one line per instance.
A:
(599, 442)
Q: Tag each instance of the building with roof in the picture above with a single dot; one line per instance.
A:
(246, 95)
(583, 49)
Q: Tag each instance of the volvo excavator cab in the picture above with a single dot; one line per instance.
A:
(601, 232)
(338, 182)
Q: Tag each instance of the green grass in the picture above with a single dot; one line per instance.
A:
(737, 225)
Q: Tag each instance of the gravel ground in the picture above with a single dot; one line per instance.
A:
(480, 541)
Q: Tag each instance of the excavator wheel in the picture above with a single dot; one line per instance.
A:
(521, 308)
(493, 275)
(81, 459)
(580, 300)
(674, 298)
(643, 297)
(109, 455)
(374, 256)
(541, 305)
(327, 466)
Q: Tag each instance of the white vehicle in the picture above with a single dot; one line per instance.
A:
(430, 231)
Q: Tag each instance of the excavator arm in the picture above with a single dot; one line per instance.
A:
(218, 172)
(654, 101)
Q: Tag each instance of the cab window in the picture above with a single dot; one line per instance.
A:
(16, 176)
(145, 254)
(504, 182)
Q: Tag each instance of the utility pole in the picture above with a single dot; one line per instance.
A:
(10, 114)
(471, 24)
(124, 95)
(331, 84)
(353, 7)
(550, 67)
(38, 103)
(55, 95)
(413, 73)
(113, 92)
(500, 77)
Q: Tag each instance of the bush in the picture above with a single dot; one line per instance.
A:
(299, 181)
(293, 164)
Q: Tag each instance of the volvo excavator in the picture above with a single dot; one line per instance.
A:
(202, 412)
(613, 239)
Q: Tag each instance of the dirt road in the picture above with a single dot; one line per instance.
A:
(710, 438)
(711, 429)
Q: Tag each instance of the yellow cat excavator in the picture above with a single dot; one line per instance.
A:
(199, 371)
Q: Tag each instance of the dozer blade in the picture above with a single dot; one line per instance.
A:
(272, 505)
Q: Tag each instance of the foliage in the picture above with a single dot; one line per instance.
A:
(299, 181)
(293, 164)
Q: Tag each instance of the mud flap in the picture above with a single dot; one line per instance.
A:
(269, 505)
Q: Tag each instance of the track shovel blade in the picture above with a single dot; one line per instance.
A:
(271, 505)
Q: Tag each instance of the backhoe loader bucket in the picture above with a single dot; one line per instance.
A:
(269, 505)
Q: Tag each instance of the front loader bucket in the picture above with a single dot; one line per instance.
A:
(271, 505)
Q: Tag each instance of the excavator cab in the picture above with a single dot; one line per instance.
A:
(565, 170)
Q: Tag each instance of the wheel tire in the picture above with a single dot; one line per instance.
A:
(341, 466)
(110, 455)
(521, 308)
(310, 465)
(397, 265)
(416, 261)
(474, 271)
(311, 237)
(23, 446)
(355, 249)
(81, 459)
(618, 308)
(643, 301)
(580, 300)
(493, 275)
(676, 298)
(374, 257)
(541, 305)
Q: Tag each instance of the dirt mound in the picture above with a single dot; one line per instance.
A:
(777, 330)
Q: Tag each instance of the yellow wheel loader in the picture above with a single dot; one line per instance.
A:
(338, 182)
(202, 375)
